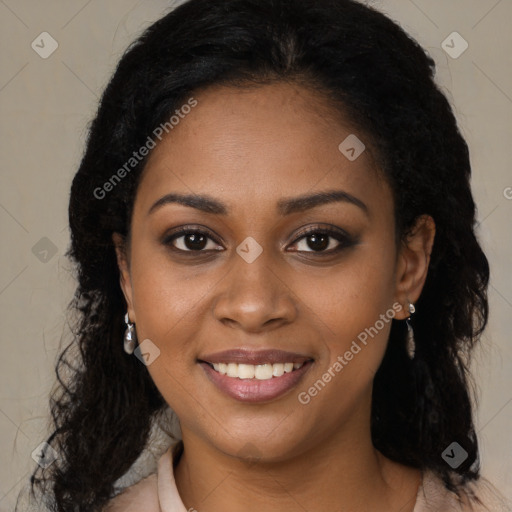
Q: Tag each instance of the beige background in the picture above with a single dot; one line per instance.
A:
(45, 105)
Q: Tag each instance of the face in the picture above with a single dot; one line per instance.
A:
(234, 248)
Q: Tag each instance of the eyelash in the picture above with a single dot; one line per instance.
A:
(343, 238)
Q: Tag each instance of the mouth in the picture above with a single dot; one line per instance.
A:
(250, 376)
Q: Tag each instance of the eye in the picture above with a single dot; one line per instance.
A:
(323, 240)
(192, 240)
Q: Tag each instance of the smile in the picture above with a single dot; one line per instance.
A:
(255, 376)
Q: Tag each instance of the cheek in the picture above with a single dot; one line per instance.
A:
(354, 293)
(163, 292)
(353, 309)
(168, 301)
(167, 306)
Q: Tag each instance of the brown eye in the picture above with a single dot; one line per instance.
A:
(192, 240)
(317, 241)
(323, 241)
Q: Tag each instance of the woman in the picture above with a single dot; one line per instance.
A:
(273, 230)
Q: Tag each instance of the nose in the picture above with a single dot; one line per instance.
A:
(254, 297)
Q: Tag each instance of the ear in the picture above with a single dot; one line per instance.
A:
(124, 271)
(413, 262)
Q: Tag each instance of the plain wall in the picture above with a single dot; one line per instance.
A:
(45, 105)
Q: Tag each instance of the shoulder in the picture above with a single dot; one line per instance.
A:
(141, 496)
(145, 495)
(486, 497)
(475, 496)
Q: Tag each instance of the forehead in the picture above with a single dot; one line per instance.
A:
(257, 145)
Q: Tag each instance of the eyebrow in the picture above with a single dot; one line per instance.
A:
(285, 206)
(200, 202)
(302, 203)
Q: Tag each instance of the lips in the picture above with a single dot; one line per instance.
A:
(264, 386)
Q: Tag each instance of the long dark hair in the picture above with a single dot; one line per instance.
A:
(368, 69)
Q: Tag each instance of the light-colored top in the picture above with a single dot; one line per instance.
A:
(158, 493)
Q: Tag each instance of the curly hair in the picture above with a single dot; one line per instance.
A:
(371, 72)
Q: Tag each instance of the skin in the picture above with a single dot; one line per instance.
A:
(250, 149)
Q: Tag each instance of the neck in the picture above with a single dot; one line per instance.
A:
(342, 472)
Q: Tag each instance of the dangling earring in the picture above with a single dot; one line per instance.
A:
(410, 343)
(130, 336)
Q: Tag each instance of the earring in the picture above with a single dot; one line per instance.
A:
(410, 343)
(130, 336)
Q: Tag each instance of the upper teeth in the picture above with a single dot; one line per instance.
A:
(259, 371)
